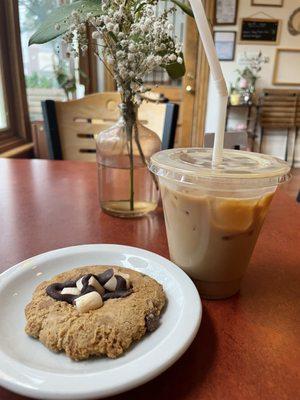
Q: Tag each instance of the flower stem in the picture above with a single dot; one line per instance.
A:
(129, 118)
(131, 173)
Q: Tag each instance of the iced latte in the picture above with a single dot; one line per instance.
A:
(213, 217)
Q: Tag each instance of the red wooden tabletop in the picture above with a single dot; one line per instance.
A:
(247, 346)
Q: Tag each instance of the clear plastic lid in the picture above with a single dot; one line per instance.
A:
(192, 165)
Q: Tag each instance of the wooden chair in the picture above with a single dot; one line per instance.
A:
(70, 126)
(297, 123)
(232, 140)
(297, 116)
(277, 110)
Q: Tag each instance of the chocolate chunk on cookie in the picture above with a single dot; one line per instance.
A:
(152, 322)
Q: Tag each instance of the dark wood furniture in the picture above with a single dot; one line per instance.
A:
(70, 126)
(297, 119)
(39, 140)
(279, 109)
(17, 133)
(247, 347)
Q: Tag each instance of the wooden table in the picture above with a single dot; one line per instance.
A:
(247, 347)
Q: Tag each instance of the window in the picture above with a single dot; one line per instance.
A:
(49, 73)
(160, 75)
(3, 112)
(14, 122)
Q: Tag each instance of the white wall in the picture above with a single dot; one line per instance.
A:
(273, 144)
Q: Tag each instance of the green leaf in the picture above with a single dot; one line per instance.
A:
(139, 7)
(175, 70)
(183, 7)
(59, 16)
(113, 36)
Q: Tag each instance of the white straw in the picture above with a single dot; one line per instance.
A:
(218, 78)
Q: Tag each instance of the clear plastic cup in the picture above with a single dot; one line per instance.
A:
(213, 216)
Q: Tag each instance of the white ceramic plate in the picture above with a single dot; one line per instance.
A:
(29, 368)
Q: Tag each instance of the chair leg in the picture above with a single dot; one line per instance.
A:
(261, 139)
(287, 144)
(294, 149)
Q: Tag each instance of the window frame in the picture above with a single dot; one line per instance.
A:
(18, 131)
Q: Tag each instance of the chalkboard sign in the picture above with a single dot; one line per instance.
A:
(264, 31)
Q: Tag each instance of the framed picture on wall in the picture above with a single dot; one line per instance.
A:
(286, 67)
(225, 44)
(294, 22)
(267, 3)
(225, 12)
(259, 31)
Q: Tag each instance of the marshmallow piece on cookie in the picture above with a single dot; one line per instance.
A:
(79, 284)
(89, 301)
(92, 282)
(99, 288)
(71, 290)
(111, 284)
(126, 277)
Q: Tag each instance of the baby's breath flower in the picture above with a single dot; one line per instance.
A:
(96, 35)
(106, 19)
(149, 11)
(132, 47)
(110, 26)
(132, 44)
(120, 54)
(98, 21)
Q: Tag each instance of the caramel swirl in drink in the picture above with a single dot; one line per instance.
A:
(213, 217)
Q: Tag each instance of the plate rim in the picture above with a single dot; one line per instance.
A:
(11, 383)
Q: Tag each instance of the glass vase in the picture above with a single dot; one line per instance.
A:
(126, 187)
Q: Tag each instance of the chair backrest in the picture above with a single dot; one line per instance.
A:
(70, 126)
(297, 118)
(232, 140)
(277, 108)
